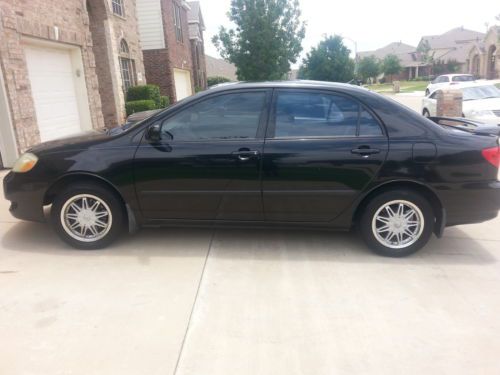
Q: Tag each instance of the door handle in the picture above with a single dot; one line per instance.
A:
(365, 151)
(245, 155)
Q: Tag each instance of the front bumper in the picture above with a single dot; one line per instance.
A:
(26, 197)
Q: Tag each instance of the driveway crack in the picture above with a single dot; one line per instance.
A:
(194, 302)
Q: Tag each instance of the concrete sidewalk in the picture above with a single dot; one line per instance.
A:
(202, 302)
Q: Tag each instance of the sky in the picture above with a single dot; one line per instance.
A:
(372, 24)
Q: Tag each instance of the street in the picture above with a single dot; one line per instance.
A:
(196, 301)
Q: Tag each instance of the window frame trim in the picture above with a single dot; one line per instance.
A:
(122, 7)
(261, 128)
(271, 128)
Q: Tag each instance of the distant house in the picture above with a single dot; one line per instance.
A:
(166, 46)
(408, 56)
(453, 45)
(220, 67)
(196, 28)
(483, 58)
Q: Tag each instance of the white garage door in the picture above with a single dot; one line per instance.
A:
(54, 92)
(182, 80)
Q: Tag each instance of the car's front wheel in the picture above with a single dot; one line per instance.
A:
(87, 216)
(397, 223)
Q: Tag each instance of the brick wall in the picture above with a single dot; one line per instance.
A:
(108, 30)
(158, 71)
(37, 19)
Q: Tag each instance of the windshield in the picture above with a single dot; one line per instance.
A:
(480, 92)
(463, 78)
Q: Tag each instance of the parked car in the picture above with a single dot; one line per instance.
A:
(446, 80)
(294, 154)
(481, 102)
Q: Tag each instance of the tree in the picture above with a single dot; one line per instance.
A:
(391, 65)
(267, 38)
(329, 61)
(368, 67)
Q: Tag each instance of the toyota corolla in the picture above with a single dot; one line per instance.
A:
(294, 154)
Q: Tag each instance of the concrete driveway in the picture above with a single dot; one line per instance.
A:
(213, 302)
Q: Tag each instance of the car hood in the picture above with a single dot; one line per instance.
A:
(77, 141)
(482, 104)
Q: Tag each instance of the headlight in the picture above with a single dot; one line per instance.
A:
(25, 163)
(482, 113)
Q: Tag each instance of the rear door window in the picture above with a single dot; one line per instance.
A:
(310, 114)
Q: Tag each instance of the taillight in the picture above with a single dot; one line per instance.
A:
(492, 155)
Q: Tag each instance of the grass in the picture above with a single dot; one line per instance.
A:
(406, 86)
(498, 85)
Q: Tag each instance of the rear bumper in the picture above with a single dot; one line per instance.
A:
(26, 197)
(470, 203)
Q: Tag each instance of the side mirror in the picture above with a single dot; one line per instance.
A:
(153, 134)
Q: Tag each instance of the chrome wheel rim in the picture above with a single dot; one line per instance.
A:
(398, 224)
(86, 218)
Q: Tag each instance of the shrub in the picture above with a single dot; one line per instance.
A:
(139, 106)
(215, 80)
(164, 102)
(144, 92)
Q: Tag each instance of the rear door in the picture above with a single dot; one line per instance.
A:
(322, 149)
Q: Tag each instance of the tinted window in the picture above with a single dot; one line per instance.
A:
(231, 116)
(462, 78)
(303, 114)
(368, 125)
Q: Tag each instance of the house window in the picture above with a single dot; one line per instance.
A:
(177, 23)
(127, 66)
(124, 47)
(118, 7)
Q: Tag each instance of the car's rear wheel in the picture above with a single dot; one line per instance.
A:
(397, 223)
(87, 216)
(426, 113)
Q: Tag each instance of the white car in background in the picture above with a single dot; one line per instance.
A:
(446, 80)
(481, 102)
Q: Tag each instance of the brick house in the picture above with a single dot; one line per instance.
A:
(408, 56)
(64, 66)
(164, 30)
(196, 28)
(484, 56)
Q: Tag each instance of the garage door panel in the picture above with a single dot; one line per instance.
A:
(182, 80)
(54, 92)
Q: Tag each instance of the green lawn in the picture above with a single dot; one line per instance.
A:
(406, 86)
(498, 85)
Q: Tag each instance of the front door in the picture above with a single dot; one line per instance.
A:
(321, 151)
(207, 164)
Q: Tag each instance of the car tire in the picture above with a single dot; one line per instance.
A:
(403, 233)
(426, 113)
(427, 92)
(87, 216)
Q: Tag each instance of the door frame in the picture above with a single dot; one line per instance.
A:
(8, 145)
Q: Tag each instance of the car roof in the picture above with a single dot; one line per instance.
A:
(287, 84)
(455, 75)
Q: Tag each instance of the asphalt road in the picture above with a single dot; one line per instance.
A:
(214, 302)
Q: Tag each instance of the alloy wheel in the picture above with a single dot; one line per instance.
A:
(86, 218)
(398, 224)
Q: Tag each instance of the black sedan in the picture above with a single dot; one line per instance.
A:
(294, 154)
